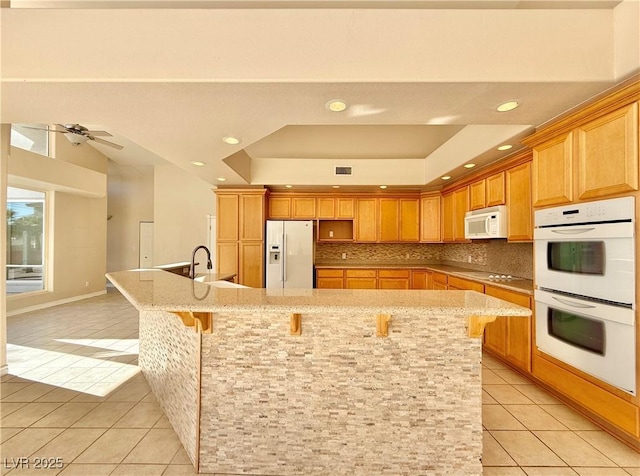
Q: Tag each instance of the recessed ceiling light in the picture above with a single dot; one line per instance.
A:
(197, 163)
(222, 179)
(383, 186)
(469, 166)
(337, 105)
(508, 106)
(505, 147)
(288, 186)
(445, 177)
(231, 140)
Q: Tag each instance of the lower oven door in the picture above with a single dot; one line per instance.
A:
(597, 338)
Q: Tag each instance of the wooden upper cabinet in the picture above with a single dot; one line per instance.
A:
(608, 154)
(552, 172)
(227, 217)
(326, 208)
(430, 218)
(251, 217)
(460, 207)
(280, 207)
(344, 207)
(448, 217)
(389, 219)
(477, 195)
(303, 208)
(409, 219)
(519, 212)
(495, 190)
(366, 219)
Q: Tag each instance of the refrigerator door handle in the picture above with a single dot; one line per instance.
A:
(284, 260)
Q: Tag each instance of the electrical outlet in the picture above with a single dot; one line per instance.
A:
(469, 259)
(406, 256)
(344, 255)
(330, 233)
(86, 284)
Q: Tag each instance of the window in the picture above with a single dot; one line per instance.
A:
(33, 137)
(25, 240)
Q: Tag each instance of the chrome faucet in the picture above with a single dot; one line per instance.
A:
(192, 270)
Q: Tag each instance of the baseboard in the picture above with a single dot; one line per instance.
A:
(4, 370)
(45, 305)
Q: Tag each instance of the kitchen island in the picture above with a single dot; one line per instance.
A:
(315, 382)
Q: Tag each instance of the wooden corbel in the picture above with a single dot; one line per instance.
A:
(478, 323)
(202, 322)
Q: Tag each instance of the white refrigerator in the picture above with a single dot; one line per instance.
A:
(289, 254)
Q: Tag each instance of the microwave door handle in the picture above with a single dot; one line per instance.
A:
(573, 232)
(573, 304)
(487, 227)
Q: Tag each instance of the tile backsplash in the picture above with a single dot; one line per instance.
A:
(495, 256)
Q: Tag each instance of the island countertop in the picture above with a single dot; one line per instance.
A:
(160, 290)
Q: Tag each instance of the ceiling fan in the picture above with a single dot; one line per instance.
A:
(77, 134)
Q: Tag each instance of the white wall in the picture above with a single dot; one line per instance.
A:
(181, 205)
(76, 220)
(130, 201)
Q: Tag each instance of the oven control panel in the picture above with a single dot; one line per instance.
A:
(601, 211)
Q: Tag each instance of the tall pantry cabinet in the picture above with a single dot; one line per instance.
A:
(241, 215)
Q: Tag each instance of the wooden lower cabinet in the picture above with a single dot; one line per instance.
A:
(360, 279)
(251, 263)
(510, 337)
(394, 279)
(454, 282)
(330, 279)
(421, 279)
(439, 281)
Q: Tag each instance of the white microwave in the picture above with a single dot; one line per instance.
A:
(486, 223)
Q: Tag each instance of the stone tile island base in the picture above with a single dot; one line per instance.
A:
(335, 399)
(316, 382)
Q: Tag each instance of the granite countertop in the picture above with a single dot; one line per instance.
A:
(159, 290)
(521, 285)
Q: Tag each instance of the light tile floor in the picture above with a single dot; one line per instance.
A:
(75, 395)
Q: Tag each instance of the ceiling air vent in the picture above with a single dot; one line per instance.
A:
(341, 170)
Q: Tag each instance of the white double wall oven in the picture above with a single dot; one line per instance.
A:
(585, 297)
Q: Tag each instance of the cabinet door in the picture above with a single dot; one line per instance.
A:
(519, 212)
(366, 220)
(465, 284)
(389, 219)
(608, 154)
(360, 283)
(303, 207)
(477, 198)
(460, 207)
(227, 258)
(552, 178)
(393, 283)
(430, 218)
(518, 329)
(494, 336)
(448, 217)
(251, 267)
(279, 207)
(227, 221)
(252, 217)
(326, 208)
(409, 219)
(495, 189)
(421, 279)
(344, 208)
(330, 279)
(439, 281)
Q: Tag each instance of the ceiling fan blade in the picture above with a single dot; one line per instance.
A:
(106, 142)
(99, 133)
(40, 129)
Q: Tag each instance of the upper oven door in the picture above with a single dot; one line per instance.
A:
(594, 260)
